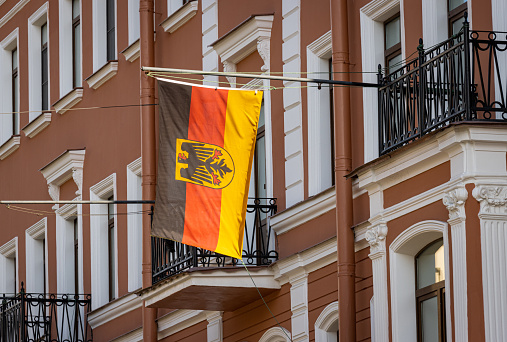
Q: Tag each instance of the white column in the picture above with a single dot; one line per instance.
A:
(293, 124)
(215, 326)
(455, 202)
(493, 218)
(376, 236)
(299, 307)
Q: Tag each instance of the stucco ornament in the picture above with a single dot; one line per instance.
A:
(263, 49)
(77, 175)
(376, 236)
(230, 67)
(54, 193)
(493, 199)
(454, 201)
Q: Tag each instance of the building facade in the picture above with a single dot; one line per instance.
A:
(377, 210)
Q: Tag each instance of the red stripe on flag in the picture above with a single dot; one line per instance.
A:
(202, 210)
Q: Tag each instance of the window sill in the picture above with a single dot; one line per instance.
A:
(37, 124)
(9, 146)
(132, 52)
(69, 100)
(103, 75)
(180, 17)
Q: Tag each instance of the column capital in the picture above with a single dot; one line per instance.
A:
(376, 236)
(492, 198)
(454, 201)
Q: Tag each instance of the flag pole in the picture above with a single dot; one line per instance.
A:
(259, 76)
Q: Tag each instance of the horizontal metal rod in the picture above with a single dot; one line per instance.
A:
(79, 202)
(264, 77)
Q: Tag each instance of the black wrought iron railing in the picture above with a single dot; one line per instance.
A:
(461, 79)
(44, 317)
(170, 258)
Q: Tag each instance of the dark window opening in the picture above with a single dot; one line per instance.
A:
(76, 257)
(76, 44)
(110, 29)
(15, 92)
(111, 249)
(331, 121)
(44, 67)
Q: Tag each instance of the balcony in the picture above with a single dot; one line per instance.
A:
(186, 277)
(462, 79)
(39, 317)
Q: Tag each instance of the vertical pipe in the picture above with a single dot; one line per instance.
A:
(343, 166)
(146, 12)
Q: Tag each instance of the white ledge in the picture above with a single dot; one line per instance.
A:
(304, 211)
(102, 75)
(69, 100)
(37, 125)
(180, 17)
(114, 309)
(9, 147)
(132, 52)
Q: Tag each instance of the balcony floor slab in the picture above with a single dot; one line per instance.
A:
(215, 289)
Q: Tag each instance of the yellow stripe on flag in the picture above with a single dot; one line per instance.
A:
(241, 120)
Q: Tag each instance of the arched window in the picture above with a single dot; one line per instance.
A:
(430, 292)
(326, 326)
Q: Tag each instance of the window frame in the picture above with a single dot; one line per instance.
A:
(44, 67)
(15, 90)
(395, 50)
(110, 30)
(455, 14)
(76, 25)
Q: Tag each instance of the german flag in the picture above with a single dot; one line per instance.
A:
(207, 141)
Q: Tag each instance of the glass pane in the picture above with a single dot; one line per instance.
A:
(392, 33)
(394, 63)
(430, 265)
(44, 34)
(110, 210)
(77, 56)
(75, 9)
(457, 25)
(429, 320)
(15, 104)
(261, 115)
(455, 3)
(261, 167)
(14, 59)
(44, 73)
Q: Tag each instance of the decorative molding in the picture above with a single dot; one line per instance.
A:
(299, 306)
(66, 166)
(230, 67)
(376, 236)
(304, 212)
(13, 11)
(37, 125)
(136, 166)
(68, 101)
(132, 52)
(215, 326)
(263, 48)
(276, 334)
(454, 201)
(244, 39)
(380, 10)
(324, 323)
(9, 146)
(38, 230)
(132, 336)
(180, 17)
(9, 248)
(102, 75)
(68, 210)
(179, 320)
(105, 186)
(492, 199)
(114, 309)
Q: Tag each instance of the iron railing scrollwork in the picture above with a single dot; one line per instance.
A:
(44, 317)
(460, 79)
(170, 258)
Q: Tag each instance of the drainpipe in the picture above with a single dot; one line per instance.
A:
(146, 12)
(343, 166)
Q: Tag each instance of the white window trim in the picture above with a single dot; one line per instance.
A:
(65, 48)
(11, 145)
(319, 132)
(69, 100)
(177, 17)
(65, 247)
(34, 270)
(325, 322)
(372, 17)
(134, 226)
(100, 34)
(98, 241)
(402, 276)
(35, 23)
(37, 125)
(8, 44)
(8, 250)
(134, 25)
(103, 75)
(276, 334)
(133, 51)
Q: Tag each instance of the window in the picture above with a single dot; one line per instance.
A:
(430, 293)
(260, 158)
(76, 44)
(9, 267)
(44, 67)
(35, 242)
(15, 92)
(392, 41)
(111, 31)
(111, 249)
(456, 10)
(76, 256)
